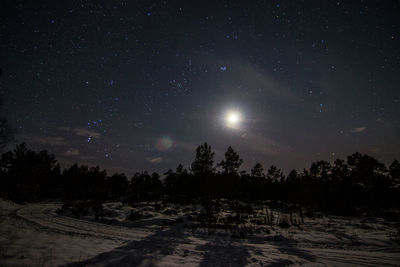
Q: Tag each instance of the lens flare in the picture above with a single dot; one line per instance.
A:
(164, 143)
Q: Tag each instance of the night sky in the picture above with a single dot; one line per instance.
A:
(138, 85)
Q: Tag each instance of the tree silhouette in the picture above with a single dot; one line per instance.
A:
(394, 170)
(232, 162)
(274, 174)
(321, 170)
(257, 171)
(6, 133)
(366, 170)
(362, 183)
(117, 185)
(82, 182)
(180, 171)
(178, 184)
(27, 175)
(292, 176)
(204, 160)
(340, 170)
(145, 187)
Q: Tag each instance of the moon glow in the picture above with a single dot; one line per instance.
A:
(233, 119)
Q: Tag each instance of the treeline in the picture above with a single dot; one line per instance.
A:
(359, 182)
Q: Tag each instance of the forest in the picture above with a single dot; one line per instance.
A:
(358, 184)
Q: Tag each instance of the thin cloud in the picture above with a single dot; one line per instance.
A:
(63, 128)
(264, 144)
(54, 141)
(185, 145)
(358, 129)
(86, 132)
(261, 79)
(72, 152)
(81, 132)
(155, 160)
(87, 157)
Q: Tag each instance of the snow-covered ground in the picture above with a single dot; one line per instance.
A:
(35, 234)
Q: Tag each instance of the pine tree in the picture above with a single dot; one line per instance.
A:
(274, 174)
(293, 176)
(394, 170)
(321, 170)
(232, 161)
(257, 171)
(204, 161)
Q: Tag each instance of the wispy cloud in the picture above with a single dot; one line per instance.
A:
(255, 78)
(81, 132)
(87, 157)
(63, 128)
(72, 152)
(54, 141)
(185, 145)
(155, 160)
(358, 129)
(261, 79)
(86, 132)
(264, 144)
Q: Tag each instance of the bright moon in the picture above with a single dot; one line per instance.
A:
(232, 119)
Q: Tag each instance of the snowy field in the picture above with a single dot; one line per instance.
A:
(168, 235)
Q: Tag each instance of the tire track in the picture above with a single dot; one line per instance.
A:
(43, 217)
